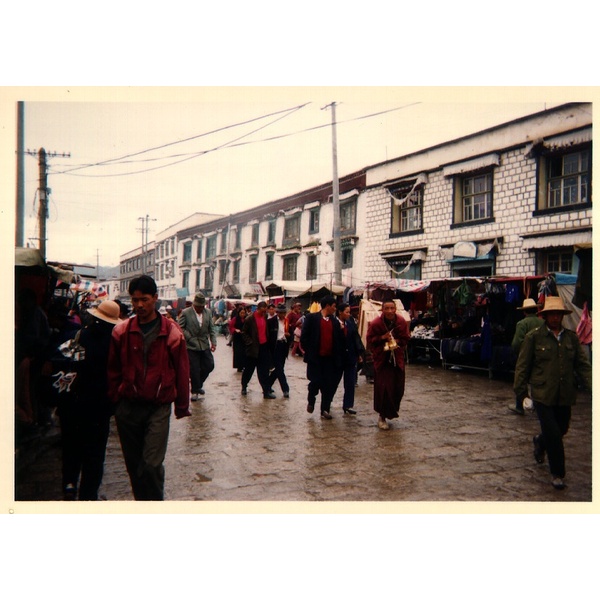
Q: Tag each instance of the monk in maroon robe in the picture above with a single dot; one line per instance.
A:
(387, 338)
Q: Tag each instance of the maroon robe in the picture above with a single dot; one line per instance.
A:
(389, 373)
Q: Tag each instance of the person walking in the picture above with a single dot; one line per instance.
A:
(258, 356)
(323, 345)
(295, 319)
(353, 353)
(550, 364)
(200, 334)
(85, 413)
(387, 338)
(529, 322)
(279, 340)
(148, 370)
(236, 324)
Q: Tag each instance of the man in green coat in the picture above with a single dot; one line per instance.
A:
(528, 323)
(550, 359)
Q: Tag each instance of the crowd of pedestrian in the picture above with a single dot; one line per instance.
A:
(138, 367)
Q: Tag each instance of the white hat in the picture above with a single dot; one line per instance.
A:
(528, 303)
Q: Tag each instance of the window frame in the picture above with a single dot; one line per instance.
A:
(290, 259)
(544, 167)
(401, 191)
(255, 236)
(253, 268)
(312, 266)
(291, 238)
(314, 215)
(344, 206)
(269, 266)
(459, 197)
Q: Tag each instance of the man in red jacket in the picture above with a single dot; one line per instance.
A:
(148, 370)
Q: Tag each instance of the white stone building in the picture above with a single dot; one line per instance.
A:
(169, 255)
(512, 200)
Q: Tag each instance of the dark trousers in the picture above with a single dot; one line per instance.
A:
(202, 364)
(144, 432)
(323, 376)
(554, 423)
(350, 374)
(278, 374)
(261, 364)
(84, 437)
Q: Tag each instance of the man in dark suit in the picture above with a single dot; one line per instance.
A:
(200, 333)
(255, 334)
(323, 344)
(353, 352)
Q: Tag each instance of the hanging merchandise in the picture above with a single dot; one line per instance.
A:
(463, 294)
(513, 294)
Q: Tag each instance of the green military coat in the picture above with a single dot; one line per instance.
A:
(550, 366)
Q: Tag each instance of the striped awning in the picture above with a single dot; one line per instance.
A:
(556, 241)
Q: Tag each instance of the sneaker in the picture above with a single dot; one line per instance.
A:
(325, 415)
(558, 483)
(382, 424)
(538, 452)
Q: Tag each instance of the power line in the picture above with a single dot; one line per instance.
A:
(113, 160)
(232, 144)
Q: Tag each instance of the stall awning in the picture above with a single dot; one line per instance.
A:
(467, 251)
(573, 238)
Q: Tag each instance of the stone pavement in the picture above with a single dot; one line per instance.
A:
(455, 441)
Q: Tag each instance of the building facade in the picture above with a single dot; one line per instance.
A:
(511, 200)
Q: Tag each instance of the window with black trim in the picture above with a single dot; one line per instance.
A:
(222, 270)
(407, 208)
(198, 281)
(473, 197)
(237, 244)
(313, 220)
(348, 217)
(269, 266)
(211, 247)
(271, 233)
(557, 260)
(208, 277)
(347, 258)
(235, 275)
(291, 231)
(290, 268)
(252, 277)
(254, 241)
(223, 246)
(311, 267)
(186, 279)
(402, 268)
(564, 179)
(187, 252)
(199, 250)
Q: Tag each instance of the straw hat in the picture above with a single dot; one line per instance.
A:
(108, 311)
(528, 303)
(555, 304)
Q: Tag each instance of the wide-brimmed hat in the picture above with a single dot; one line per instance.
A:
(528, 303)
(554, 304)
(162, 310)
(199, 300)
(108, 311)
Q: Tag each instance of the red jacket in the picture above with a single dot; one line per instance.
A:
(163, 379)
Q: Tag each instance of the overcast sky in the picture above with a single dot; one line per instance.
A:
(168, 153)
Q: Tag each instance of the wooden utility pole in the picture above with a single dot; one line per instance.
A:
(144, 221)
(337, 246)
(43, 193)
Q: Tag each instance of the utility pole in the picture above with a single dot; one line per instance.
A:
(337, 247)
(43, 193)
(20, 225)
(144, 221)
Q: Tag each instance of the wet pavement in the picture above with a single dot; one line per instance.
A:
(455, 441)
